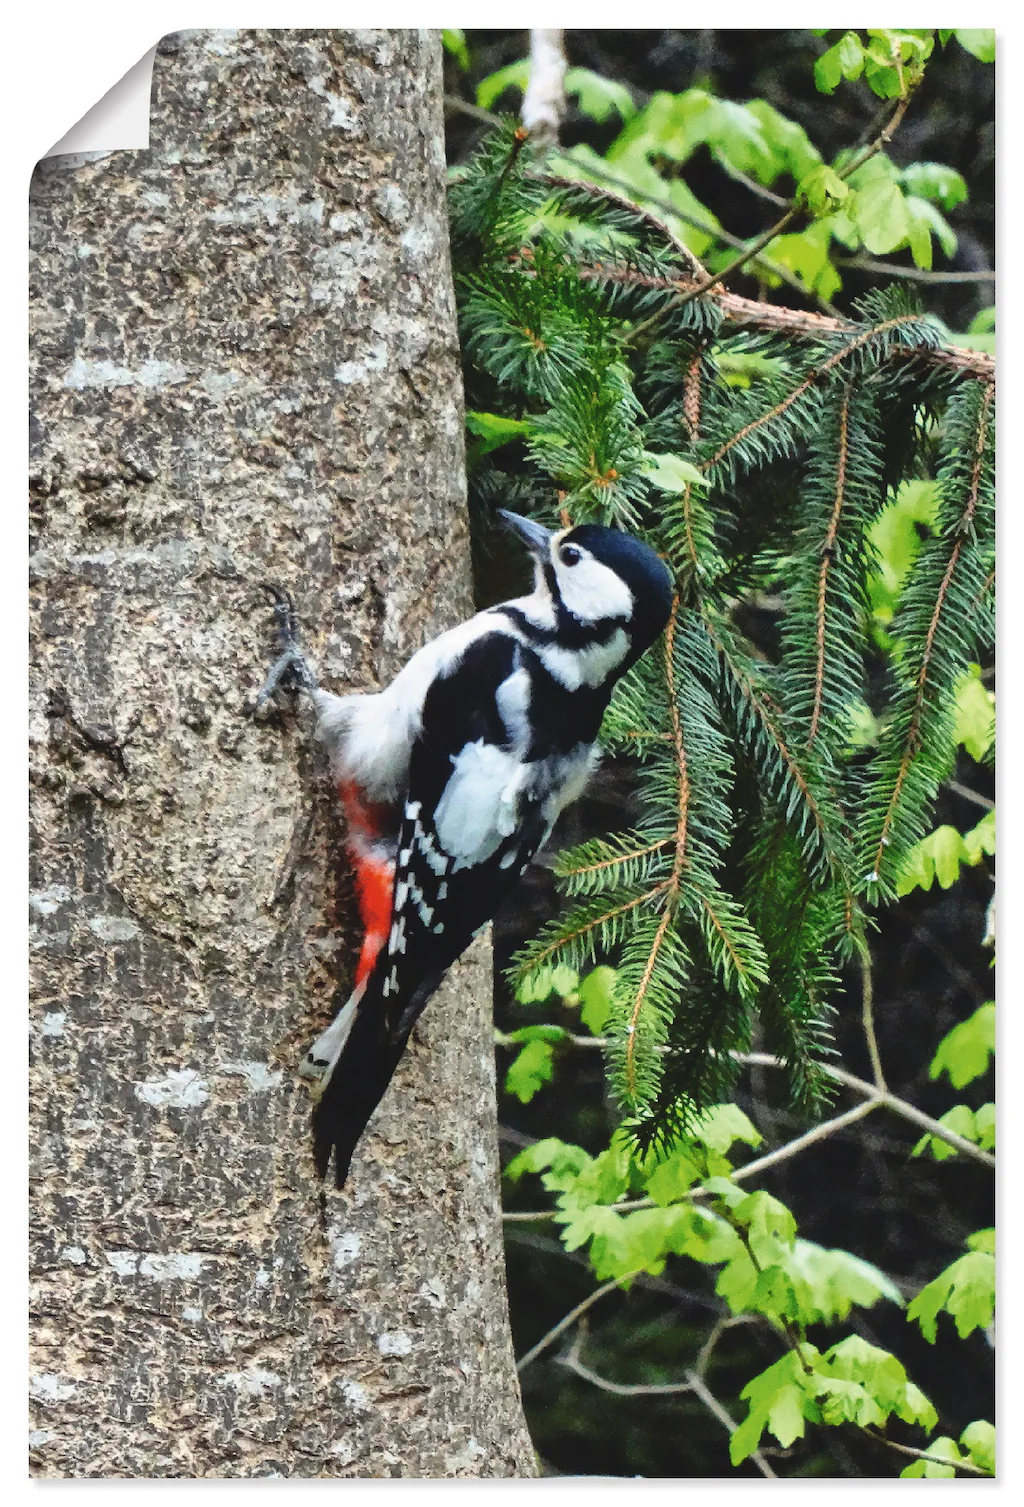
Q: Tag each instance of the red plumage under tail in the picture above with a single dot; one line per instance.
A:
(370, 844)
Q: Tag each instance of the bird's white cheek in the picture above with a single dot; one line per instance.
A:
(592, 592)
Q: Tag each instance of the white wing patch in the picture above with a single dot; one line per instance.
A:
(479, 806)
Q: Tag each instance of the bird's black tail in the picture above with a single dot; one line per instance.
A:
(361, 1076)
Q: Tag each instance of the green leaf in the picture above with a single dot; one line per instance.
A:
(539, 985)
(806, 254)
(721, 1124)
(979, 1439)
(983, 1240)
(844, 60)
(598, 97)
(494, 430)
(822, 190)
(965, 1290)
(985, 1120)
(777, 1401)
(789, 146)
(561, 1157)
(935, 181)
(530, 1070)
(673, 1178)
(879, 212)
(980, 44)
(975, 725)
(671, 473)
(453, 40)
(932, 1470)
(826, 1284)
(896, 538)
(926, 219)
(513, 76)
(964, 1053)
(596, 993)
(940, 854)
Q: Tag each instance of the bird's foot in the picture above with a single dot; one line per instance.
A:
(291, 670)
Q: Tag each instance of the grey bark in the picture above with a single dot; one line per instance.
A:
(245, 367)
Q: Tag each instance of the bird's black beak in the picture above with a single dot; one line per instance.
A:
(534, 535)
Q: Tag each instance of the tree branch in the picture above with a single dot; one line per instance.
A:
(693, 1383)
(570, 1319)
(796, 324)
(922, 1454)
(915, 274)
(544, 100)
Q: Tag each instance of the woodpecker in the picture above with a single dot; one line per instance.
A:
(453, 776)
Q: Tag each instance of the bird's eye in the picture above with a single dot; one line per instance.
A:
(569, 555)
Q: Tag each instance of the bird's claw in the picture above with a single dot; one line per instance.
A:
(291, 666)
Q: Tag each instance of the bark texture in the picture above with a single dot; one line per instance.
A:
(245, 368)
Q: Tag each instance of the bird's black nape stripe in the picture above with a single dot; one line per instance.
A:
(570, 632)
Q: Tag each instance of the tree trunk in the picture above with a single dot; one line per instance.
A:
(246, 368)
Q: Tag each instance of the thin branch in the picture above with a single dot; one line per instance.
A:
(827, 553)
(915, 274)
(796, 324)
(868, 1014)
(608, 915)
(570, 1319)
(694, 1383)
(572, 1362)
(888, 1100)
(680, 858)
(611, 863)
(970, 795)
(739, 176)
(475, 112)
(715, 1407)
(922, 1454)
(625, 201)
(809, 1138)
(911, 742)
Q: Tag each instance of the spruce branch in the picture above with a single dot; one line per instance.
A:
(945, 645)
(794, 324)
(827, 554)
(843, 352)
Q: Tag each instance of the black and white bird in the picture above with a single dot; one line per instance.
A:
(452, 778)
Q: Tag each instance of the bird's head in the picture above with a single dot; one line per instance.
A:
(595, 577)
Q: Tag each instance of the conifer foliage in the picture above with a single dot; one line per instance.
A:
(756, 463)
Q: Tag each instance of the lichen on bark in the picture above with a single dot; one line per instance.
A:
(245, 368)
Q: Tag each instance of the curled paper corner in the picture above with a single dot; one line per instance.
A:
(118, 122)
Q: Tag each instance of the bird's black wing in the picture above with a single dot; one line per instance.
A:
(472, 821)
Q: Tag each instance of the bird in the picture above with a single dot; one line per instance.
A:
(452, 777)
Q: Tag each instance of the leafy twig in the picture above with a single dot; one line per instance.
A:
(780, 225)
